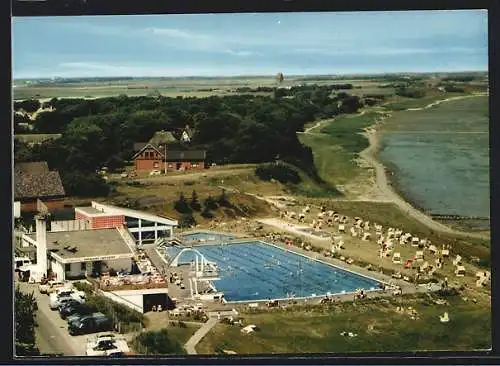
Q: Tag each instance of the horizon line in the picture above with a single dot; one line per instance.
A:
(252, 75)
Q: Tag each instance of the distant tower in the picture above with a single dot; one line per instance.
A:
(279, 78)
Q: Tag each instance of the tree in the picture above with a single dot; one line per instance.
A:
(280, 172)
(223, 200)
(84, 184)
(206, 213)
(194, 203)
(210, 204)
(29, 105)
(22, 152)
(25, 308)
(181, 205)
(187, 220)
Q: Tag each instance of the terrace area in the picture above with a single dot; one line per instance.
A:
(148, 278)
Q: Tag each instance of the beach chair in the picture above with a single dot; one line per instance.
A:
(396, 258)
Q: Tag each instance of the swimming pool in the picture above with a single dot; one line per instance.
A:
(206, 237)
(255, 270)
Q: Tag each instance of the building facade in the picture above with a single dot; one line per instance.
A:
(100, 238)
(33, 181)
(152, 157)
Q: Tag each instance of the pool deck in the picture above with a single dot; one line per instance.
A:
(292, 228)
(406, 287)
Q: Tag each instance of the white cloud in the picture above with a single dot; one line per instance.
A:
(177, 33)
(242, 53)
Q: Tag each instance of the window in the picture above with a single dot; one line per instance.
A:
(67, 267)
(83, 266)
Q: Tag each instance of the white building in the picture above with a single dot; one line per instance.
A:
(76, 254)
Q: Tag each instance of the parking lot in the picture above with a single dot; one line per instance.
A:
(52, 335)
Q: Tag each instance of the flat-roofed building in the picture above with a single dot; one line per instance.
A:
(81, 253)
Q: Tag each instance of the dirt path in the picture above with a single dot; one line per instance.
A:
(160, 179)
(317, 125)
(433, 104)
(325, 121)
(385, 190)
(381, 189)
(197, 337)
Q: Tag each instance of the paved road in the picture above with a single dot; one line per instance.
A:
(198, 335)
(51, 334)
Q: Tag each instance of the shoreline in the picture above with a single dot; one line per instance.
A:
(385, 187)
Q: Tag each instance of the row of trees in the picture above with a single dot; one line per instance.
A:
(186, 207)
(232, 129)
(28, 105)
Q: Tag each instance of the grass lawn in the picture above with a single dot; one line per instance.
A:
(378, 326)
(336, 147)
(389, 215)
(177, 337)
(399, 103)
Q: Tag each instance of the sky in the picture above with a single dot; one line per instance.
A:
(250, 44)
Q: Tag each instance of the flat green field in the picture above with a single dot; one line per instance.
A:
(379, 328)
(398, 103)
(188, 87)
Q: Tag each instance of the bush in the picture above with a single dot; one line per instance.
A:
(85, 287)
(84, 184)
(181, 205)
(282, 173)
(29, 105)
(116, 312)
(194, 203)
(454, 89)
(223, 200)
(410, 93)
(207, 214)
(157, 343)
(447, 292)
(210, 204)
(25, 307)
(187, 220)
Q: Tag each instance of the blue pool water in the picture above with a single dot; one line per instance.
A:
(207, 237)
(256, 271)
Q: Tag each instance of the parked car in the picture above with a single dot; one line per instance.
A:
(57, 299)
(54, 305)
(50, 286)
(155, 172)
(107, 345)
(74, 307)
(74, 318)
(94, 323)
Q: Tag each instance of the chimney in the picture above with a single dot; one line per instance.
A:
(41, 239)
